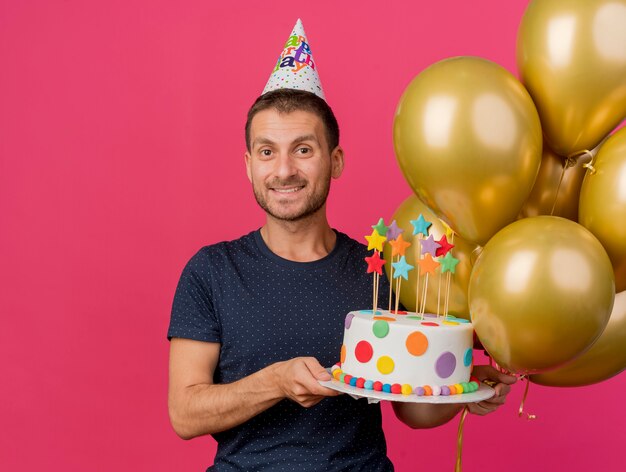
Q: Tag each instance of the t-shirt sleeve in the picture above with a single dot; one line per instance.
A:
(193, 315)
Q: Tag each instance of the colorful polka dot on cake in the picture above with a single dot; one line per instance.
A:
(385, 365)
(467, 357)
(363, 351)
(416, 343)
(445, 365)
(380, 328)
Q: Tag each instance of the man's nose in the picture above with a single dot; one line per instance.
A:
(285, 166)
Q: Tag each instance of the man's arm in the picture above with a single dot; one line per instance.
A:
(197, 406)
(427, 415)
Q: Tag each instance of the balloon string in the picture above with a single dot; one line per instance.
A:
(570, 161)
(558, 187)
(521, 411)
(459, 442)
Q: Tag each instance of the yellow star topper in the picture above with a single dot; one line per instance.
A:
(375, 241)
(449, 231)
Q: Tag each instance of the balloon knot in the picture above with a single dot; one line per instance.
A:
(590, 167)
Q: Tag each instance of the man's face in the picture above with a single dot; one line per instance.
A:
(289, 164)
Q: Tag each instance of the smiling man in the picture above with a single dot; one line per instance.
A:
(255, 321)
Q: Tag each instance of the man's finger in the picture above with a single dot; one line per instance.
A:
(317, 370)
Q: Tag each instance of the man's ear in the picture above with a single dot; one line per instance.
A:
(336, 161)
(247, 157)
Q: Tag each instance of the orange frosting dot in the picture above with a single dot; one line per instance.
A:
(384, 318)
(337, 373)
(416, 343)
(343, 353)
(428, 390)
(452, 389)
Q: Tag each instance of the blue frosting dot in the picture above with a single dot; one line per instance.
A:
(353, 382)
(368, 385)
(467, 357)
(387, 388)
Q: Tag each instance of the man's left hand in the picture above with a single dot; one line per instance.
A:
(502, 387)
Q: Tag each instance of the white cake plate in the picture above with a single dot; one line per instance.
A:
(484, 392)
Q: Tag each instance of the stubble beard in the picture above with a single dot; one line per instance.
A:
(313, 205)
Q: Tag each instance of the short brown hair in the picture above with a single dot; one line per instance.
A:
(290, 100)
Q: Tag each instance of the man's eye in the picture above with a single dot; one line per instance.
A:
(303, 150)
(266, 153)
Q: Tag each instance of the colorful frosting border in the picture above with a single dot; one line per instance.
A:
(404, 389)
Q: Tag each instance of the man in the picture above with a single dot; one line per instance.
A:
(255, 321)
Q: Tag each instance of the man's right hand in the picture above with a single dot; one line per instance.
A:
(298, 380)
(197, 406)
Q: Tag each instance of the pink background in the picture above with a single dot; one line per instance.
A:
(121, 144)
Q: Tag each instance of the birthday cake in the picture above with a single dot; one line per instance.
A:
(401, 352)
(406, 353)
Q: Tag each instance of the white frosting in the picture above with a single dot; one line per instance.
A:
(446, 359)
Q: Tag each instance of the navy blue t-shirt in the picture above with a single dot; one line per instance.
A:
(264, 309)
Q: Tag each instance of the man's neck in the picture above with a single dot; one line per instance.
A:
(307, 240)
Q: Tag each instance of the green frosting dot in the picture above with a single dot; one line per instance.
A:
(380, 328)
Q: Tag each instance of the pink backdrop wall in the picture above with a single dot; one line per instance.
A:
(121, 154)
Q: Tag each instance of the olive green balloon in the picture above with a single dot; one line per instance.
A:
(468, 141)
(605, 359)
(465, 252)
(571, 55)
(602, 208)
(540, 293)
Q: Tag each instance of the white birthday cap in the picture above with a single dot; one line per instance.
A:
(295, 68)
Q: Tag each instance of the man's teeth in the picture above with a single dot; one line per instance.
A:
(287, 190)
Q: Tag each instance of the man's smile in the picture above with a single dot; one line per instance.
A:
(287, 190)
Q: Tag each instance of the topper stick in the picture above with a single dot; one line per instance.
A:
(448, 283)
(398, 285)
(398, 294)
(391, 281)
(418, 256)
(425, 294)
(376, 276)
(374, 291)
(447, 298)
(438, 293)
